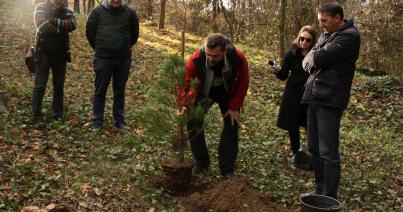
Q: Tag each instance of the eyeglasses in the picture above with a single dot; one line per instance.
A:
(302, 39)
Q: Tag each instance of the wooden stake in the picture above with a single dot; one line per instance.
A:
(183, 45)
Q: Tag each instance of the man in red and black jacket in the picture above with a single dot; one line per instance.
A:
(223, 74)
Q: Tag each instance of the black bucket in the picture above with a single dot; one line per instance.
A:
(317, 203)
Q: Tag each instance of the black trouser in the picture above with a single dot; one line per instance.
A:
(228, 148)
(105, 70)
(57, 63)
(323, 136)
(294, 140)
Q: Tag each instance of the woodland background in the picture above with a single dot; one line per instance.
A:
(275, 23)
(61, 165)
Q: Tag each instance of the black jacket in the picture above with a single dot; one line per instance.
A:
(292, 113)
(332, 65)
(112, 32)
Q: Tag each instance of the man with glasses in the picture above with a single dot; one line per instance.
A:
(331, 64)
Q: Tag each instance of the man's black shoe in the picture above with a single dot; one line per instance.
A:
(228, 175)
(58, 117)
(38, 117)
(96, 128)
(123, 128)
(197, 169)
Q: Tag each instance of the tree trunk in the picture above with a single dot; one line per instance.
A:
(77, 6)
(250, 19)
(91, 4)
(215, 14)
(149, 9)
(162, 15)
(282, 28)
(85, 6)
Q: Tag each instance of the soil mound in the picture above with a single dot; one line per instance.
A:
(230, 195)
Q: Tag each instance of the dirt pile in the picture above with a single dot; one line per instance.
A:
(228, 195)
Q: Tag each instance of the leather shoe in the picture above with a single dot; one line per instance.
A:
(96, 128)
(228, 175)
(123, 128)
(199, 169)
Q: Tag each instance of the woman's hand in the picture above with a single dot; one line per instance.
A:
(275, 69)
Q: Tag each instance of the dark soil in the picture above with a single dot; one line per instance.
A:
(234, 194)
(178, 175)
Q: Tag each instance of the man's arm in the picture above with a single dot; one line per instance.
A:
(242, 84)
(134, 32)
(91, 27)
(66, 25)
(41, 20)
(342, 48)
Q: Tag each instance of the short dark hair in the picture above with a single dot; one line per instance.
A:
(214, 40)
(332, 9)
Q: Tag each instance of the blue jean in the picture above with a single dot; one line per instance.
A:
(107, 69)
(57, 63)
(323, 139)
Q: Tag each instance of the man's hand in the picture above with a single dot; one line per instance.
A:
(182, 111)
(234, 114)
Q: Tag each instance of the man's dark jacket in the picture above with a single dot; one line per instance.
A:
(334, 58)
(112, 32)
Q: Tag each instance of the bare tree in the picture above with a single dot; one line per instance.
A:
(91, 4)
(77, 6)
(282, 28)
(215, 14)
(162, 15)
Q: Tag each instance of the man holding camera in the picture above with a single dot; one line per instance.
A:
(223, 73)
(54, 21)
(331, 64)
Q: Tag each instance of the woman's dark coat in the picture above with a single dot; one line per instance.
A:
(292, 113)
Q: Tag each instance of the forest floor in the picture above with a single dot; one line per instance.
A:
(60, 165)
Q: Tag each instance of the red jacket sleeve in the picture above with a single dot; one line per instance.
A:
(241, 84)
(190, 73)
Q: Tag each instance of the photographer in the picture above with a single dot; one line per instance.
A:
(54, 21)
(292, 113)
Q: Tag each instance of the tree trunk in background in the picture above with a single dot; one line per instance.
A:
(85, 6)
(282, 28)
(214, 26)
(91, 4)
(162, 15)
(77, 6)
(149, 9)
(250, 18)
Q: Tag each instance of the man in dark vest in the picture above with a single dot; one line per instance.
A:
(223, 74)
(331, 64)
(112, 29)
(53, 21)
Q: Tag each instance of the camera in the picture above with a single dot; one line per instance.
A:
(272, 64)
